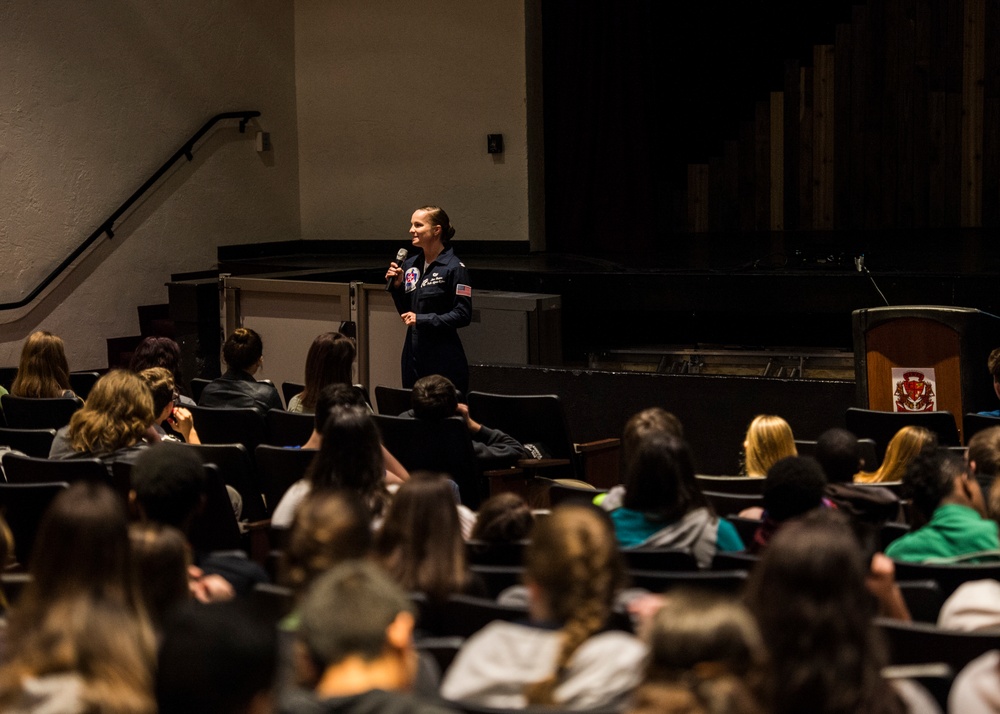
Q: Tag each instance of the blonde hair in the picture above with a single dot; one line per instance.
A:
(902, 449)
(117, 413)
(769, 439)
(43, 371)
(573, 558)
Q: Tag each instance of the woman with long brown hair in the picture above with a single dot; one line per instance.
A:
(572, 571)
(78, 638)
(329, 361)
(420, 542)
(43, 371)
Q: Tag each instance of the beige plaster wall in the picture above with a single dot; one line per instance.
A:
(94, 96)
(395, 99)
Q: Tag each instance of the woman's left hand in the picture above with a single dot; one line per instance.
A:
(409, 318)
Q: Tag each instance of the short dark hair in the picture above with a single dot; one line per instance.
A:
(336, 395)
(930, 478)
(242, 349)
(346, 612)
(794, 485)
(839, 455)
(169, 480)
(214, 659)
(434, 397)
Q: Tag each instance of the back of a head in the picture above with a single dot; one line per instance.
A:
(329, 361)
(215, 659)
(706, 654)
(993, 364)
(902, 449)
(160, 562)
(809, 597)
(82, 546)
(503, 518)
(335, 395)
(660, 480)
(769, 438)
(351, 454)
(329, 528)
(930, 478)
(168, 481)
(434, 397)
(157, 352)
(646, 422)
(43, 370)
(117, 413)
(346, 612)
(242, 349)
(984, 450)
(420, 542)
(839, 454)
(161, 385)
(794, 485)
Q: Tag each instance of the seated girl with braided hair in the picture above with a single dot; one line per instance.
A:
(572, 571)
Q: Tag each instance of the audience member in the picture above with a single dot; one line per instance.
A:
(839, 455)
(160, 561)
(243, 353)
(357, 635)
(112, 425)
(993, 365)
(77, 639)
(329, 361)
(983, 456)
(646, 422)
(172, 422)
(769, 438)
(161, 352)
(349, 458)
(661, 504)
(43, 371)
(794, 485)
(503, 518)
(902, 449)
(345, 395)
(572, 570)
(434, 398)
(168, 487)
(976, 689)
(813, 601)
(706, 657)
(420, 542)
(216, 659)
(948, 510)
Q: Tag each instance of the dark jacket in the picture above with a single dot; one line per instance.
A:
(238, 390)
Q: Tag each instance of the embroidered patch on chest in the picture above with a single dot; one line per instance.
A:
(410, 278)
(432, 279)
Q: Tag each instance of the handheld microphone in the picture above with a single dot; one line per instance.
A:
(400, 257)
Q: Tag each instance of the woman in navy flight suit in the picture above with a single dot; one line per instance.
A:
(433, 296)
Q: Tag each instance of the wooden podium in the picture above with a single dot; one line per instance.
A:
(954, 342)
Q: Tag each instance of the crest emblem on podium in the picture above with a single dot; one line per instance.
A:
(914, 390)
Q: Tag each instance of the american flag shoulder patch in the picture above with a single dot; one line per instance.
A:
(463, 290)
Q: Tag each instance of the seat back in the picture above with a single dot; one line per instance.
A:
(865, 446)
(948, 577)
(287, 428)
(745, 527)
(726, 504)
(444, 446)
(221, 425)
(923, 599)
(33, 442)
(215, 526)
(659, 559)
(536, 419)
(725, 582)
(392, 401)
(498, 578)
(479, 552)
(731, 484)
(82, 382)
(22, 506)
(973, 423)
(29, 469)
(26, 413)
(918, 642)
(290, 389)
(236, 470)
(882, 426)
(278, 468)
(462, 615)
(734, 561)
(198, 385)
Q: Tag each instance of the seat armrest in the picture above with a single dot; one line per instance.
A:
(600, 462)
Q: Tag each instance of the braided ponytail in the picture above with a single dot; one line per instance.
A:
(574, 559)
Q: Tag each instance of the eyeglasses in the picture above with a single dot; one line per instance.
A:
(175, 397)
